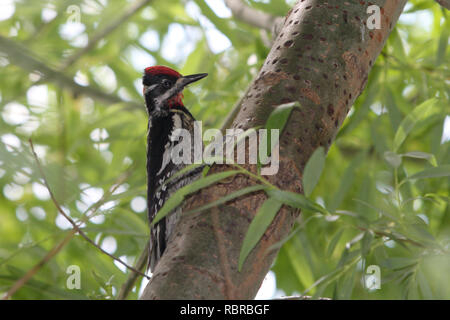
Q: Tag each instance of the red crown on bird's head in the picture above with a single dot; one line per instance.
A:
(163, 70)
(157, 70)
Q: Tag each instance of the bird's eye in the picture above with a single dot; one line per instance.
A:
(166, 83)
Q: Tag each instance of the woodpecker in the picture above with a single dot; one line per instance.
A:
(163, 93)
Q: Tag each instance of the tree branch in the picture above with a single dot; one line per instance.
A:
(56, 249)
(444, 3)
(103, 33)
(73, 223)
(321, 58)
(26, 60)
(256, 18)
(22, 281)
(132, 278)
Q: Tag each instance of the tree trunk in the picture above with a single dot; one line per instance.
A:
(321, 58)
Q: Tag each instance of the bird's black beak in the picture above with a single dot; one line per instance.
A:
(185, 80)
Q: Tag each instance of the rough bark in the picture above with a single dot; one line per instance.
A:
(444, 3)
(321, 58)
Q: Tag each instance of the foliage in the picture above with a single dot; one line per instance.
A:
(382, 197)
(385, 181)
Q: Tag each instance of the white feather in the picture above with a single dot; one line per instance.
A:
(166, 157)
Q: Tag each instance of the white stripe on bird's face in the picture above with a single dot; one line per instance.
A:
(147, 89)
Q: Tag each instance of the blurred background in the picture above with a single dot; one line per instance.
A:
(70, 79)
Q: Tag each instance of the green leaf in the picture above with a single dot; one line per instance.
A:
(295, 200)
(258, 227)
(398, 263)
(377, 131)
(355, 240)
(408, 123)
(299, 261)
(420, 6)
(346, 181)
(229, 197)
(419, 231)
(443, 43)
(422, 155)
(395, 116)
(347, 284)
(436, 172)
(424, 286)
(178, 197)
(195, 62)
(220, 23)
(361, 112)
(334, 241)
(313, 170)
(302, 226)
(399, 275)
(397, 45)
(393, 159)
(280, 115)
(366, 242)
(47, 289)
(274, 7)
(333, 275)
(277, 120)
